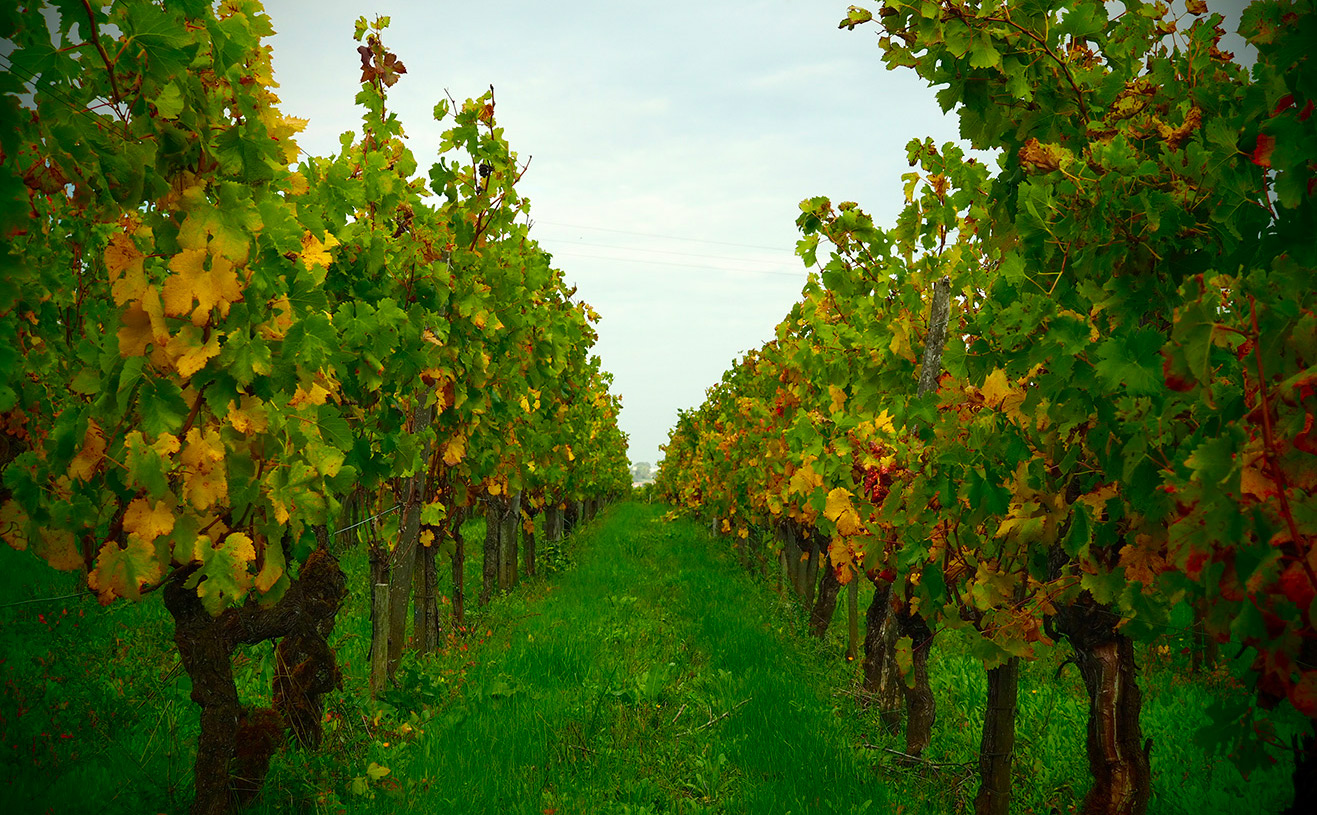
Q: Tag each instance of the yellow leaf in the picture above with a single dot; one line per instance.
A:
(248, 417)
(454, 450)
(240, 547)
(123, 262)
(525, 405)
(1000, 393)
(838, 399)
(316, 253)
(840, 511)
(281, 513)
(204, 482)
(143, 324)
(281, 128)
(205, 228)
(147, 522)
(295, 184)
(273, 568)
(427, 537)
(843, 558)
(122, 571)
(1097, 499)
(212, 287)
(1143, 560)
(166, 444)
(274, 328)
(804, 480)
(495, 488)
(189, 353)
(315, 395)
(570, 455)
(88, 459)
(12, 522)
(1253, 481)
(59, 548)
(900, 344)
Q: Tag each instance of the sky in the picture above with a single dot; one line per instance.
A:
(671, 145)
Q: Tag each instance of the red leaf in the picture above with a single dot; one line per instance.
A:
(1296, 586)
(1173, 380)
(1305, 440)
(1286, 102)
(1262, 152)
(1306, 112)
(1304, 694)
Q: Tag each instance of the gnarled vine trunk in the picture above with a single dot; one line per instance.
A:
(494, 508)
(812, 554)
(920, 706)
(305, 671)
(1118, 756)
(852, 618)
(882, 679)
(820, 616)
(553, 523)
(528, 540)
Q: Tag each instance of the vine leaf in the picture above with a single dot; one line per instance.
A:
(204, 483)
(121, 571)
(148, 522)
(88, 460)
(192, 281)
(223, 579)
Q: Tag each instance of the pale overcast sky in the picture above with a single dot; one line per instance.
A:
(672, 144)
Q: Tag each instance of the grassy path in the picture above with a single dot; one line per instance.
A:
(645, 679)
(650, 676)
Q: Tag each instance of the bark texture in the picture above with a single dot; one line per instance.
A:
(920, 706)
(528, 540)
(459, 569)
(882, 679)
(825, 605)
(489, 572)
(553, 523)
(427, 627)
(508, 539)
(997, 749)
(853, 618)
(379, 617)
(1118, 756)
(810, 544)
(232, 737)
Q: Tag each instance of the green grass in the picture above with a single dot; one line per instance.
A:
(647, 673)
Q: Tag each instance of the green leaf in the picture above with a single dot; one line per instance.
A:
(334, 429)
(161, 406)
(1131, 362)
(169, 101)
(984, 54)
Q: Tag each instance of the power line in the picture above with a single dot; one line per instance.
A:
(655, 235)
(46, 599)
(682, 265)
(30, 80)
(579, 242)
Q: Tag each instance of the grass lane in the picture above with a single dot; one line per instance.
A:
(654, 676)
